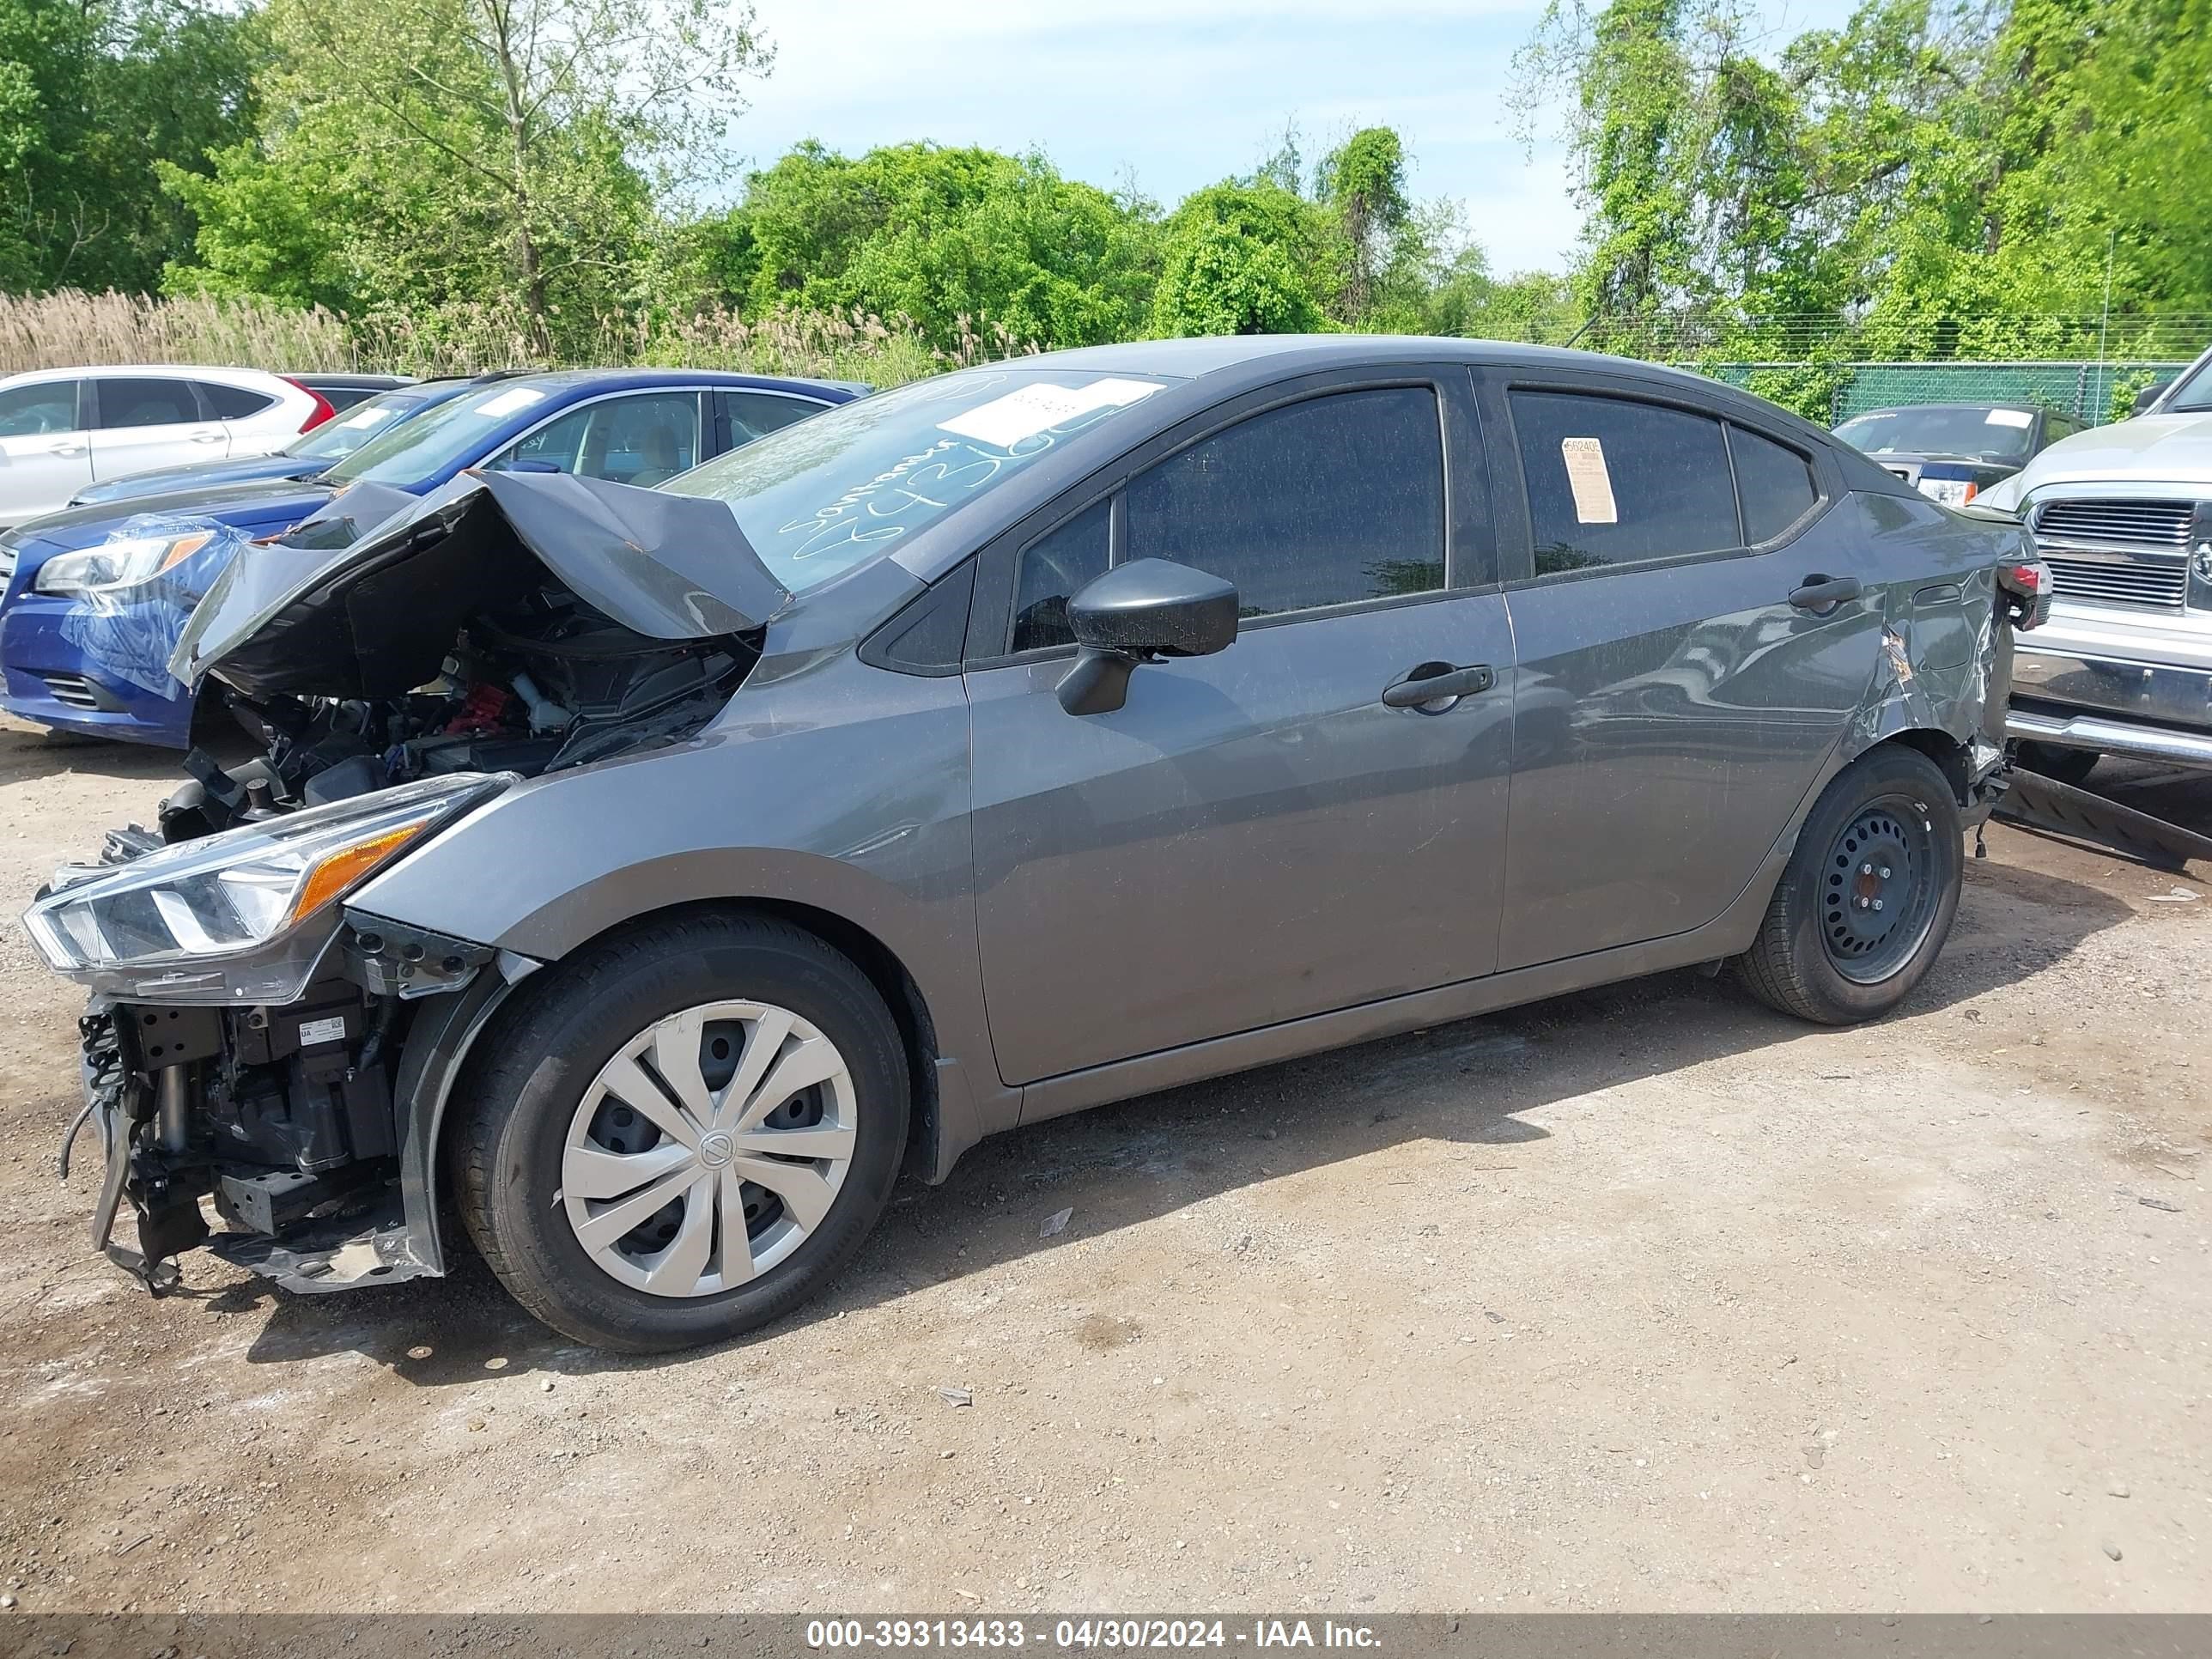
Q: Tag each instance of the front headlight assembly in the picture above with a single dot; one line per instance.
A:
(243, 916)
(117, 564)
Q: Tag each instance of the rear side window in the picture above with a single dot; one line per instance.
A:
(1773, 482)
(1611, 481)
(234, 402)
(1337, 499)
(28, 411)
(129, 403)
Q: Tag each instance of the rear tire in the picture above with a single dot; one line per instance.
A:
(1867, 898)
(2058, 762)
(574, 1131)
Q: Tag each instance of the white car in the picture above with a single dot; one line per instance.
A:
(64, 429)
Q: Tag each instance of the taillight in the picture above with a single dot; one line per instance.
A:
(2028, 578)
(322, 411)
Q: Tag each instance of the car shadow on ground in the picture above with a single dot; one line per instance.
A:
(1472, 1083)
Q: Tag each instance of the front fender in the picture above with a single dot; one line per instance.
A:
(842, 788)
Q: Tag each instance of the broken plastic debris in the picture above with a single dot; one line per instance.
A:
(1055, 1223)
(957, 1396)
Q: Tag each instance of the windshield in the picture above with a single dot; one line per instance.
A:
(839, 489)
(344, 434)
(1986, 435)
(437, 439)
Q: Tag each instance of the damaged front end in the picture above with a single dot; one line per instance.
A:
(253, 1041)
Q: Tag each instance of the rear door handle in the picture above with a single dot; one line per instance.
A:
(65, 449)
(1433, 683)
(1822, 593)
(207, 437)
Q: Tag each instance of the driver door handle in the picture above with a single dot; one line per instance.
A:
(1437, 682)
(1822, 593)
(66, 448)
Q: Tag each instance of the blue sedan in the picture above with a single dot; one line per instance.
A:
(94, 595)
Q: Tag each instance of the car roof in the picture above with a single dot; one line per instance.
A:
(164, 371)
(1907, 409)
(558, 380)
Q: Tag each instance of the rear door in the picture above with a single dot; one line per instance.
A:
(140, 422)
(1256, 836)
(1672, 705)
(46, 453)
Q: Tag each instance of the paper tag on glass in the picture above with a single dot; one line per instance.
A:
(2010, 417)
(1038, 407)
(1588, 478)
(508, 402)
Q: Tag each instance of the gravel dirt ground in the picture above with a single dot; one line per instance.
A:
(1649, 1299)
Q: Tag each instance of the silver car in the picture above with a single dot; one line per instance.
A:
(2122, 515)
(659, 872)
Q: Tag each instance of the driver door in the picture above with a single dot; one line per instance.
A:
(1255, 836)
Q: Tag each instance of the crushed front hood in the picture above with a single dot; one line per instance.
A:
(364, 598)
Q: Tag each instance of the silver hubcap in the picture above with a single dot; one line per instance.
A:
(708, 1149)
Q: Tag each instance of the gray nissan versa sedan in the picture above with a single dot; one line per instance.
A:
(660, 871)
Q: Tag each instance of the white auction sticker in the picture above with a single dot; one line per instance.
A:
(1588, 478)
(2010, 417)
(1040, 406)
(510, 401)
(367, 418)
(313, 1031)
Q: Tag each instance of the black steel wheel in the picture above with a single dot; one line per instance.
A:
(1866, 902)
(1877, 898)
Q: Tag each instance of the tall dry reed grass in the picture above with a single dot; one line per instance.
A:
(69, 328)
(64, 329)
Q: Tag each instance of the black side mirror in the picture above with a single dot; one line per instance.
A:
(1136, 612)
(2150, 395)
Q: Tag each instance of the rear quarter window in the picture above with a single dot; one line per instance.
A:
(1774, 483)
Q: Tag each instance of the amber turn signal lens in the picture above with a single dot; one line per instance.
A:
(342, 868)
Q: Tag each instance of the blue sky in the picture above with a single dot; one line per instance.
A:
(1177, 93)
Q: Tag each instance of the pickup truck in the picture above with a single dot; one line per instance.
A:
(2122, 516)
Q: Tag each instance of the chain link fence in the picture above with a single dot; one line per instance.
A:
(2093, 392)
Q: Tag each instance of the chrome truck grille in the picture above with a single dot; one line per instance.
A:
(2133, 553)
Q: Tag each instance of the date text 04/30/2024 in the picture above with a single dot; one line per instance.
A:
(1108, 1634)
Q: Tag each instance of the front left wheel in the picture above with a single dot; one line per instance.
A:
(685, 1133)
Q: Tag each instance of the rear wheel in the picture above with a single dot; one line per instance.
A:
(686, 1134)
(2058, 762)
(1866, 900)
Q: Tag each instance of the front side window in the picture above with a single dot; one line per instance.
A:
(28, 411)
(1329, 501)
(1611, 481)
(124, 403)
(1051, 568)
(638, 441)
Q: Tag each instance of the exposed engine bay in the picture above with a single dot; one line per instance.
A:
(546, 684)
(397, 662)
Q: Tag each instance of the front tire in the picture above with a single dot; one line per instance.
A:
(685, 1134)
(1868, 895)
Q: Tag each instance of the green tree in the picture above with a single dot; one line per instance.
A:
(1218, 279)
(93, 95)
(510, 151)
(951, 239)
